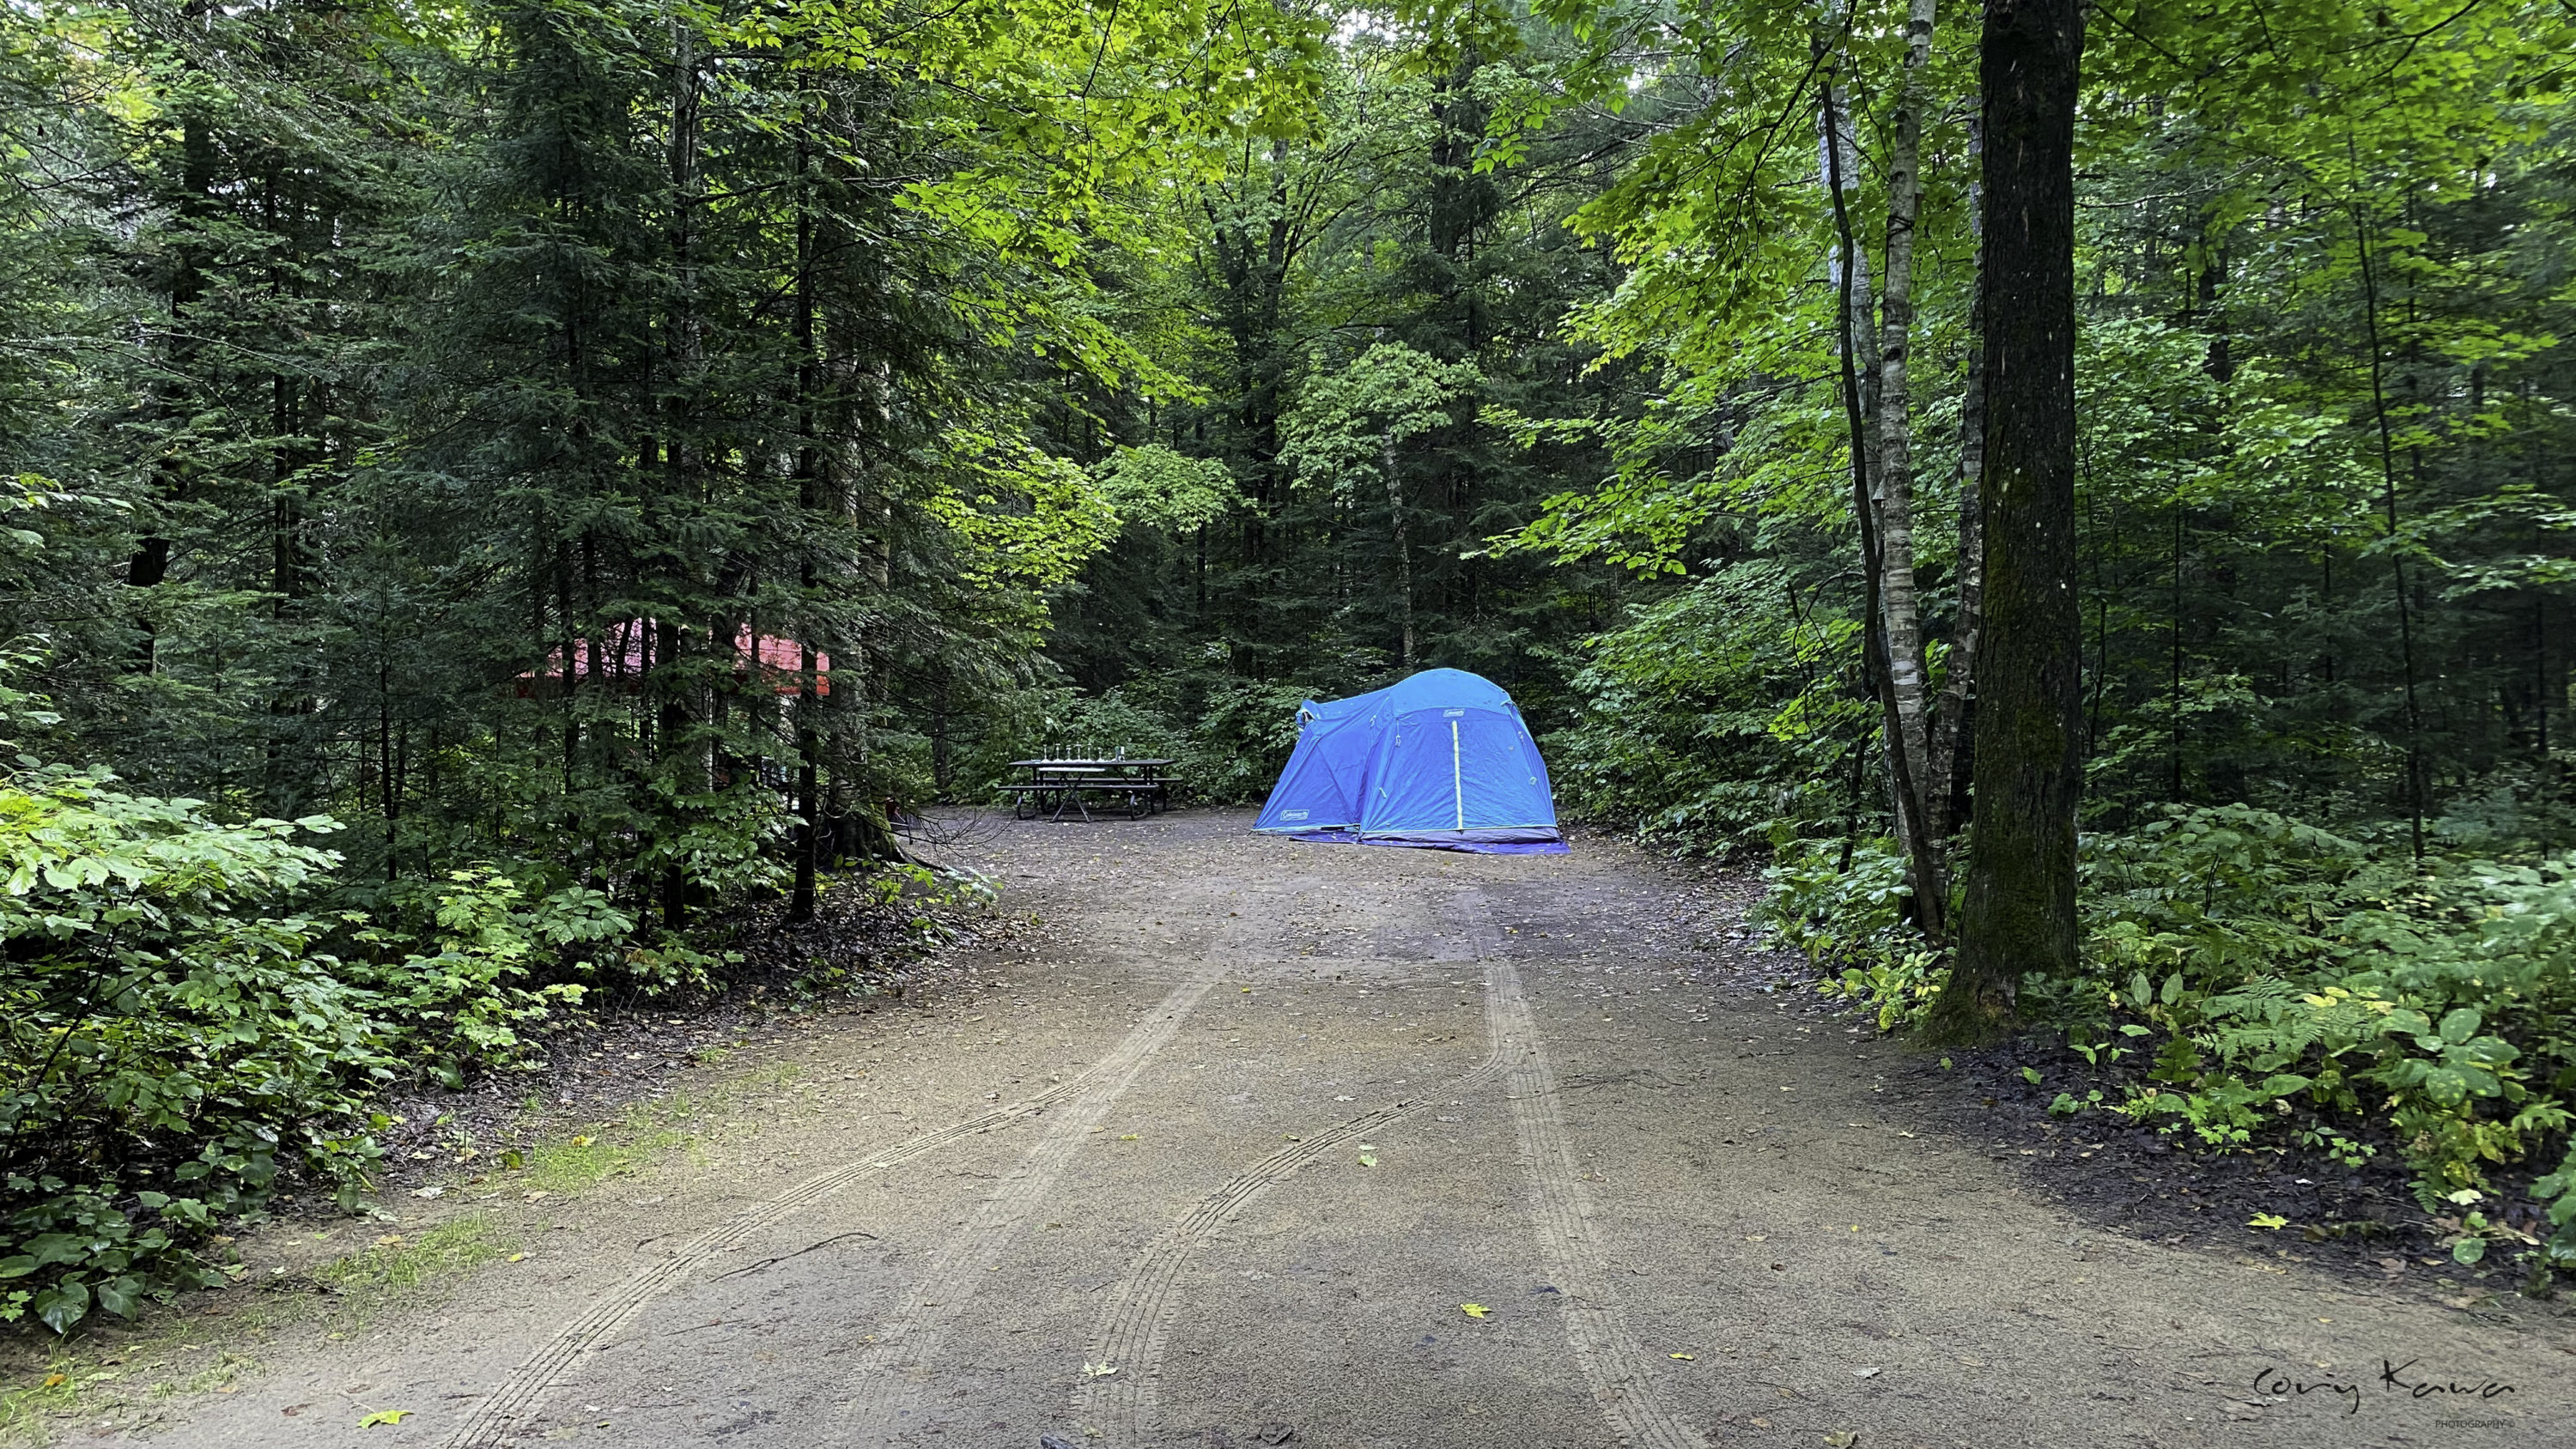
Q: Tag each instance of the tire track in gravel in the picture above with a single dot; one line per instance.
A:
(561, 1360)
(1120, 1408)
(1611, 1361)
(883, 1392)
(1134, 1326)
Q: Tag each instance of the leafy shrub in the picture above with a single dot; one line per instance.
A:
(464, 1003)
(1242, 738)
(172, 1038)
(1850, 922)
(1683, 736)
(2282, 967)
(2247, 977)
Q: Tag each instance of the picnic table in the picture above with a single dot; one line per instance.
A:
(1138, 782)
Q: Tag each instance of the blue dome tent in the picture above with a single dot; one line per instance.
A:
(1438, 760)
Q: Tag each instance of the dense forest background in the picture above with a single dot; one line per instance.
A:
(507, 493)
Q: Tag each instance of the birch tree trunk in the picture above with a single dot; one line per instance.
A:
(1892, 480)
(1838, 170)
(1863, 382)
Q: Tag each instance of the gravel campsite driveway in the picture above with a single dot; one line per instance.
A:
(1263, 1143)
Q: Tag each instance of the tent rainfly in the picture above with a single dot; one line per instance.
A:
(1440, 760)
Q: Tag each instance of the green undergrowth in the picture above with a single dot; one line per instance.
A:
(115, 1371)
(117, 1379)
(641, 1132)
(401, 1263)
(123, 1371)
(2249, 981)
(199, 1013)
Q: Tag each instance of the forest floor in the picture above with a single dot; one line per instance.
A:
(1232, 1141)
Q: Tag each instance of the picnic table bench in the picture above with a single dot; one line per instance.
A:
(1139, 785)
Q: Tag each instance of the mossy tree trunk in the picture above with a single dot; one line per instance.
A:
(2019, 912)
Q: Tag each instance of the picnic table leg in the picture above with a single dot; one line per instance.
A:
(1070, 795)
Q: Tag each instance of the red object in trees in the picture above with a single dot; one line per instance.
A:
(620, 660)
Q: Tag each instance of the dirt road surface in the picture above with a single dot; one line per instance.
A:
(1375, 1149)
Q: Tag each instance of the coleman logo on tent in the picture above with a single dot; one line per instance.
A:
(1292, 814)
(1451, 713)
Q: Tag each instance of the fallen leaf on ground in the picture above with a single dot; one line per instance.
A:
(1368, 1159)
(55, 1381)
(1842, 1438)
(384, 1417)
(1474, 1310)
(583, 1141)
(2272, 1222)
(431, 1191)
(1687, 1357)
(1129, 1136)
(1098, 1370)
(1866, 1373)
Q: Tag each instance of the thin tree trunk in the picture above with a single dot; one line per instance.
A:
(149, 566)
(1892, 481)
(2396, 557)
(1859, 364)
(574, 664)
(680, 753)
(1952, 736)
(1838, 155)
(2173, 649)
(943, 750)
(1403, 552)
(2019, 913)
(809, 743)
(392, 802)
